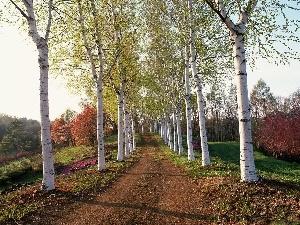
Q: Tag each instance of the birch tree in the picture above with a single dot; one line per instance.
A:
(164, 68)
(27, 10)
(97, 76)
(125, 41)
(188, 107)
(236, 17)
(200, 101)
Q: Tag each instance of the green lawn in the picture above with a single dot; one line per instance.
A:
(267, 166)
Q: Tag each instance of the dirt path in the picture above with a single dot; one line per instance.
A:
(153, 191)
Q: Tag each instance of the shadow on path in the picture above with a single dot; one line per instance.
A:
(152, 210)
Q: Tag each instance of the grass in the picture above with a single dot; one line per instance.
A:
(29, 169)
(225, 162)
(70, 154)
(275, 200)
(267, 167)
(20, 199)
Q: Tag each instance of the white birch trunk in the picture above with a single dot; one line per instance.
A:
(170, 139)
(120, 156)
(188, 108)
(130, 133)
(126, 124)
(165, 130)
(175, 131)
(236, 31)
(100, 125)
(100, 109)
(248, 172)
(99, 83)
(155, 126)
(200, 105)
(42, 47)
(100, 130)
(133, 130)
(179, 139)
(204, 144)
(162, 128)
(48, 166)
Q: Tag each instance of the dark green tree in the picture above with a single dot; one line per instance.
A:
(15, 139)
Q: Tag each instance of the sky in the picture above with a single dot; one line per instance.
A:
(19, 79)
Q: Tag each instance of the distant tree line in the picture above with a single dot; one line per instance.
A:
(70, 129)
(18, 135)
(275, 120)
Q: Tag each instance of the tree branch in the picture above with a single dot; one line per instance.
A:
(49, 20)
(221, 12)
(19, 9)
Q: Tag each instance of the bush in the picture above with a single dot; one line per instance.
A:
(84, 126)
(279, 135)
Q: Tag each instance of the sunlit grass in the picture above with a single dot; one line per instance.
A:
(225, 162)
(275, 200)
(267, 167)
(81, 182)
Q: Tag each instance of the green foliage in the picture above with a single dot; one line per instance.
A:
(17, 135)
(268, 167)
(13, 141)
(276, 169)
(225, 162)
(67, 155)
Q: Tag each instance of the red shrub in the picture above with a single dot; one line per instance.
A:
(279, 135)
(61, 133)
(84, 126)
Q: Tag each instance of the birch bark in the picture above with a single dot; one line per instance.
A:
(133, 130)
(188, 107)
(120, 156)
(200, 105)
(98, 80)
(130, 132)
(126, 126)
(236, 31)
(248, 171)
(166, 129)
(43, 60)
(100, 131)
(179, 138)
(170, 139)
(161, 127)
(175, 131)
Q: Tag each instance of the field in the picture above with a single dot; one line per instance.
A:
(273, 200)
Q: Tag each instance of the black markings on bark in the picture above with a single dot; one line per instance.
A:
(244, 61)
(244, 120)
